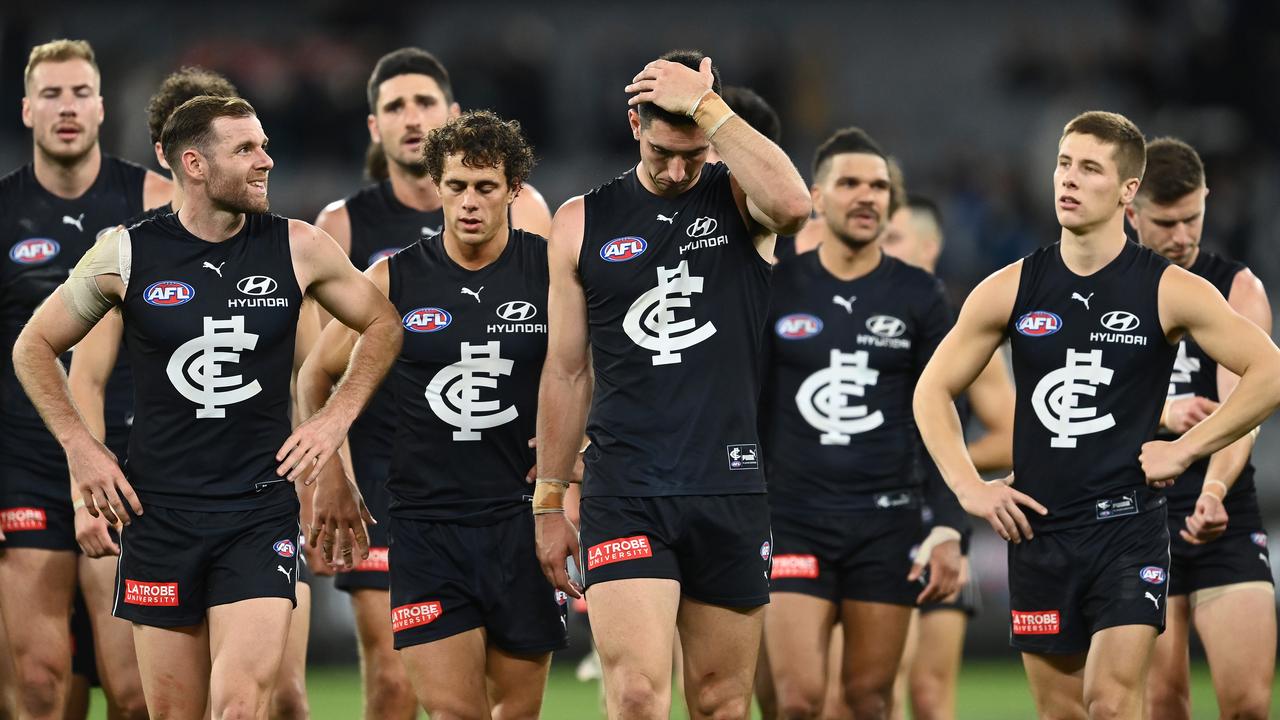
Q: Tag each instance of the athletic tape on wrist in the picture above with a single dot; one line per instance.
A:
(937, 536)
(1204, 489)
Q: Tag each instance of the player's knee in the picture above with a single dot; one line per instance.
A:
(389, 689)
(289, 701)
(239, 700)
(636, 695)
(868, 695)
(1246, 703)
(799, 703)
(1110, 703)
(1168, 697)
(443, 708)
(928, 694)
(41, 683)
(129, 708)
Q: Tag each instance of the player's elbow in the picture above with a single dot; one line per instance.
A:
(793, 213)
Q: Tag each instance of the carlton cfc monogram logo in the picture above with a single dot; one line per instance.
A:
(196, 367)
(823, 398)
(651, 320)
(1057, 396)
(454, 392)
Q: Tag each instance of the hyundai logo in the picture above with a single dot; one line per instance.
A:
(701, 227)
(886, 326)
(517, 310)
(256, 285)
(1120, 321)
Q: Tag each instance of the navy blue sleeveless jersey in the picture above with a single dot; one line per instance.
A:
(210, 331)
(466, 381)
(44, 237)
(1090, 362)
(676, 302)
(1195, 373)
(843, 360)
(380, 226)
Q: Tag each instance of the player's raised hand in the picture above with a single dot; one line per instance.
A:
(98, 481)
(672, 86)
(557, 541)
(1207, 523)
(1185, 413)
(997, 502)
(339, 518)
(1162, 462)
(311, 445)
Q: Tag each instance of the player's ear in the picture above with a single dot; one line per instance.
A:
(455, 110)
(374, 135)
(633, 118)
(26, 112)
(1129, 190)
(815, 196)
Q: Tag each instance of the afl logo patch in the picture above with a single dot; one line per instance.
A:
(1259, 539)
(1152, 574)
(285, 548)
(797, 326)
(623, 249)
(427, 320)
(382, 255)
(1039, 323)
(34, 251)
(1120, 321)
(517, 310)
(168, 293)
(765, 549)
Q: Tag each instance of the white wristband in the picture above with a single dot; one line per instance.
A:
(937, 536)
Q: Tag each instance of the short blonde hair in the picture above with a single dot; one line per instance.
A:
(59, 51)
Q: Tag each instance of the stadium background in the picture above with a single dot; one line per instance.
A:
(971, 97)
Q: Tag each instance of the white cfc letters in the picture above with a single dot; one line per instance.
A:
(454, 392)
(1057, 398)
(196, 367)
(651, 320)
(823, 398)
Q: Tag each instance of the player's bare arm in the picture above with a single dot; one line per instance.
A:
(336, 494)
(52, 330)
(764, 178)
(328, 276)
(1249, 298)
(991, 396)
(529, 211)
(157, 190)
(91, 367)
(335, 219)
(955, 364)
(563, 396)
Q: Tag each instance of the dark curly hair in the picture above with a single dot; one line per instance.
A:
(485, 141)
(179, 87)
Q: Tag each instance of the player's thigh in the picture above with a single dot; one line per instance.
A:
(112, 636)
(448, 674)
(940, 645)
(834, 705)
(720, 645)
(291, 680)
(1238, 630)
(874, 635)
(1169, 681)
(36, 590)
(247, 641)
(1057, 684)
(797, 633)
(633, 623)
(516, 683)
(372, 609)
(174, 664)
(1115, 673)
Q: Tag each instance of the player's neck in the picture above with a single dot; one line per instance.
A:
(418, 193)
(476, 256)
(209, 223)
(68, 180)
(849, 262)
(1085, 253)
(175, 204)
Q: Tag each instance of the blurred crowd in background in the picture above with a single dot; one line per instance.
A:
(970, 97)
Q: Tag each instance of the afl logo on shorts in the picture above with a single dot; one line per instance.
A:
(34, 251)
(168, 293)
(765, 550)
(1259, 539)
(623, 249)
(1039, 323)
(382, 255)
(427, 320)
(1152, 574)
(285, 548)
(797, 326)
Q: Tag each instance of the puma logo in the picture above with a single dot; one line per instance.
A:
(1081, 298)
(216, 268)
(846, 304)
(475, 293)
(668, 220)
(288, 574)
(1155, 600)
(68, 220)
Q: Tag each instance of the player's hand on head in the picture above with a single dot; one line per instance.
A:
(93, 534)
(100, 483)
(998, 503)
(672, 86)
(1162, 462)
(340, 518)
(1185, 413)
(1207, 522)
(557, 541)
(310, 446)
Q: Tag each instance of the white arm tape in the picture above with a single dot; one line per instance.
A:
(112, 254)
(937, 536)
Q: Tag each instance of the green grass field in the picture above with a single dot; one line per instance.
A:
(988, 691)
